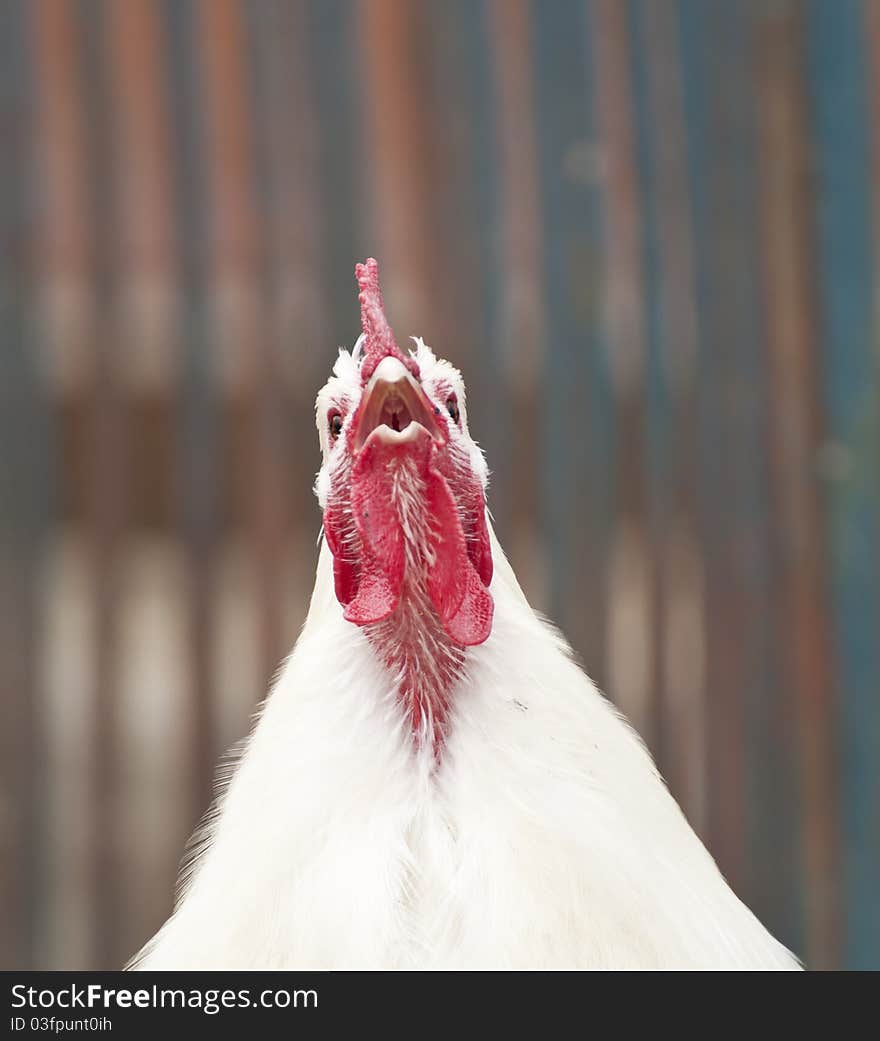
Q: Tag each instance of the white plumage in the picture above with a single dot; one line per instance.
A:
(538, 836)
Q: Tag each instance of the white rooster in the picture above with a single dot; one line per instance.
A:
(433, 782)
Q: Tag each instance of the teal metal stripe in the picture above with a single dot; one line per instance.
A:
(198, 477)
(750, 784)
(839, 92)
(657, 401)
(26, 484)
(576, 447)
(658, 390)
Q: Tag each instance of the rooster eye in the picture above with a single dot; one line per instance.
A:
(335, 423)
(452, 407)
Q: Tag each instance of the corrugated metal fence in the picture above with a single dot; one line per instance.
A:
(645, 230)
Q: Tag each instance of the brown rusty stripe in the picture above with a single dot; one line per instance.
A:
(520, 231)
(682, 692)
(274, 436)
(147, 349)
(787, 221)
(521, 326)
(143, 185)
(63, 248)
(228, 145)
(68, 126)
(403, 178)
(302, 352)
(297, 228)
(240, 253)
(624, 324)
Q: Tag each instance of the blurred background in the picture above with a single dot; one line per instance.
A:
(647, 233)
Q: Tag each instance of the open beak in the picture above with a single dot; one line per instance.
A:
(394, 406)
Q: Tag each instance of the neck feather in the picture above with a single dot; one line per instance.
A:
(412, 643)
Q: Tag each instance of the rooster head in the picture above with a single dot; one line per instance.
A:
(402, 484)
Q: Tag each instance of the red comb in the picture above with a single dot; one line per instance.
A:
(380, 339)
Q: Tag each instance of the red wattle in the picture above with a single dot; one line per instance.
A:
(456, 590)
(459, 560)
(381, 534)
(375, 601)
(472, 622)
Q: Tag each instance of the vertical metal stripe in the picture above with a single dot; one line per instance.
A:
(838, 88)
(333, 33)
(108, 485)
(24, 478)
(721, 150)
(230, 39)
(623, 323)
(292, 227)
(657, 392)
(576, 436)
(672, 401)
(402, 169)
(296, 230)
(145, 349)
(519, 314)
(141, 168)
(462, 112)
(197, 420)
(805, 693)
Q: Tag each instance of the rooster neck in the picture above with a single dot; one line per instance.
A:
(425, 663)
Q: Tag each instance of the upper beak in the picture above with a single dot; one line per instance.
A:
(394, 404)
